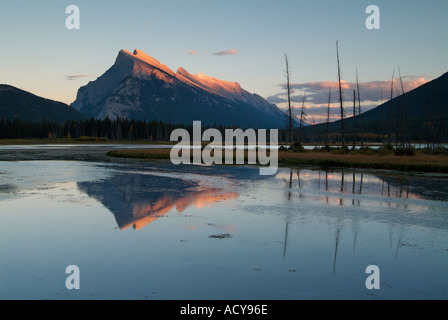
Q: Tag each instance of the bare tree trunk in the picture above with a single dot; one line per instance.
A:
(354, 119)
(288, 87)
(433, 121)
(340, 95)
(400, 121)
(407, 134)
(328, 120)
(389, 129)
(359, 109)
(384, 118)
(302, 117)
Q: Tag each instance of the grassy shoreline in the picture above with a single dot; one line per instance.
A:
(387, 161)
(420, 161)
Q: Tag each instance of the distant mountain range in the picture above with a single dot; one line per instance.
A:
(25, 106)
(138, 86)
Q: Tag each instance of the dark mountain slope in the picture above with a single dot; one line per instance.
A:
(16, 103)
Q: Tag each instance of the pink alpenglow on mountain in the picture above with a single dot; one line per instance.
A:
(138, 86)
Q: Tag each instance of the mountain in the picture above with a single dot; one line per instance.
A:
(137, 200)
(428, 102)
(419, 107)
(138, 86)
(139, 195)
(16, 103)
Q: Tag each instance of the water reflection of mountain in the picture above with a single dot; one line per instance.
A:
(137, 195)
(138, 199)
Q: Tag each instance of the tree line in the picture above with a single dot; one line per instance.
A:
(120, 129)
(430, 133)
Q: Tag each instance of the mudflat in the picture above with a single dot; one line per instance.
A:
(69, 153)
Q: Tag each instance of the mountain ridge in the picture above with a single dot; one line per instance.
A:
(138, 86)
(420, 111)
(19, 104)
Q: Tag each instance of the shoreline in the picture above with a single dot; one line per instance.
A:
(418, 163)
(112, 153)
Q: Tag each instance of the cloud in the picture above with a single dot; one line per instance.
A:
(318, 113)
(372, 94)
(78, 76)
(278, 98)
(373, 91)
(192, 52)
(230, 52)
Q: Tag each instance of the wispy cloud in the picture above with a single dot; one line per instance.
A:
(192, 52)
(230, 52)
(78, 76)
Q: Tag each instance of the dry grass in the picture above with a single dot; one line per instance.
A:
(419, 162)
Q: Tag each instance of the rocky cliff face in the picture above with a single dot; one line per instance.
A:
(138, 86)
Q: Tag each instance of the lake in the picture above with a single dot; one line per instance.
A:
(152, 230)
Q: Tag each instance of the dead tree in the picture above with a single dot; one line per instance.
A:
(359, 110)
(340, 95)
(405, 119)
(328, 120)
(389, 124)
(302, 117)
(354, 119)
(288, 88)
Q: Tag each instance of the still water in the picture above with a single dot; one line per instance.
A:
(157, 231)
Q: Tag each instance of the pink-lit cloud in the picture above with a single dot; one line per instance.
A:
(316, 113)
(192, 52)
(78, 76)
(373, 91)
(372, 94)
(230, 52)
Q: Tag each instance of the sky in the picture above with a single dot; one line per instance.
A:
(241, 41)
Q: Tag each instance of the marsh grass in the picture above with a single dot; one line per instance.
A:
(365, 158)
